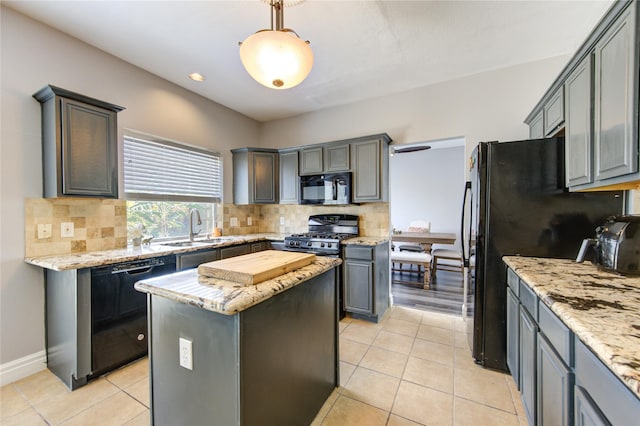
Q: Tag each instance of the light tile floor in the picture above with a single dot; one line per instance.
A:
(412, 368)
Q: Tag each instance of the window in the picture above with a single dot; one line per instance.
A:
(164, 180)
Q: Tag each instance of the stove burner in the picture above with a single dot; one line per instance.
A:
(325, 234)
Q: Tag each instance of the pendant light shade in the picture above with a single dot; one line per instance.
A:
(277, 58)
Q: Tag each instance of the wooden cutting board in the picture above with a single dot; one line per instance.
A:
(255, 268)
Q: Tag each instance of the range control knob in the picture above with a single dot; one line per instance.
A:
(308, 243)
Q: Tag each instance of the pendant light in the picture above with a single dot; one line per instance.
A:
(276, 58)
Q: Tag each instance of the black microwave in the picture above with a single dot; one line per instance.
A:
(328, 188)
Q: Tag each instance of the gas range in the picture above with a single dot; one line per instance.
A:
(325, 233)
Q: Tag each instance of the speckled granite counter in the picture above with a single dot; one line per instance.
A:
(99, 258)
(364, 241)
(601, 308)
(226, 297)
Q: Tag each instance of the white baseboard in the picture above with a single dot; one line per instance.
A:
(22, 367)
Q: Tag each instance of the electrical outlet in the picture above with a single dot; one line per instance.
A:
(249, 221)
(233, 221)
(186, 354)
(44, 231)
(66, 229)
(282, 220)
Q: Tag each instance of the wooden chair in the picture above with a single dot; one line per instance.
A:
(447, 260)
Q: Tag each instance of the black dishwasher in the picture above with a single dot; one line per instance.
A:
(119, 312)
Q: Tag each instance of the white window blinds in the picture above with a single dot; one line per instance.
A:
(165, 171)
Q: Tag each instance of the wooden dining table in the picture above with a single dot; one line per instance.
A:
(426, 240)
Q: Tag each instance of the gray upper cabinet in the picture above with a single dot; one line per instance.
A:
(370, 165)
(553, 113)
(337, 158)
(255, 176)
(289, 181)
(311, 161)
(615, 94)
(79, 144)
(536, 127)
(601, 88)
(578, 120)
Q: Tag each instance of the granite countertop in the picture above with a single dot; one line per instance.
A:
(601, 308)
(364, 241)
(106, 257)
(227, 297)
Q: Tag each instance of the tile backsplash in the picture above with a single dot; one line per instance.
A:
(99, 224)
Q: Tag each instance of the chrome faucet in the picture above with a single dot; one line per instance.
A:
(193, 233)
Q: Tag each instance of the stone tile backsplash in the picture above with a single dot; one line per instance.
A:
(99, 224)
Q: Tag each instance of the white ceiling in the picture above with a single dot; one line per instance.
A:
(362, 49)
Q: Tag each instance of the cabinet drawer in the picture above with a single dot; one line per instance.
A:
(618, 404)
(358, 252)
(529, 300)
(513, 281)
(556, 333)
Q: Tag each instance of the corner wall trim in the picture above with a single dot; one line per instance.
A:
(22, 367)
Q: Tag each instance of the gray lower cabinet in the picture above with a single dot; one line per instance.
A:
(561, 381)
(370, 165)
(366, 280)
(79, 144)
(554, 386)
(528, 343)
(578, 141)
(603, 398)
(513, 336)
(233, 251)
(289, 181)
(255, 176)
(194, 259)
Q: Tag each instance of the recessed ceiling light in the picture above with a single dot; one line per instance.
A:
(196, 76)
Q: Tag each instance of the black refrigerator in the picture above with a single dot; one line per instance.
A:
(517, 204)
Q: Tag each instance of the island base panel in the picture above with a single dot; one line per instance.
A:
(275, 363)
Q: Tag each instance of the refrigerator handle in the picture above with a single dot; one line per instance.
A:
(463, 238)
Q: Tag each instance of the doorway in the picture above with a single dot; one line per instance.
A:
(426, 184)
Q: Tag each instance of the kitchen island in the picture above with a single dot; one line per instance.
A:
(584, 326)
(265, 354)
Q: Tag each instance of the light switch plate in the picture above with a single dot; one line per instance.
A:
(66, 229)
(233, 221)
(249, 221)
(282, 220)
(44, 231)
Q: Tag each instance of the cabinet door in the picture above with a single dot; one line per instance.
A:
(233, 251)
(366, 166)
(311, 161)
(553, 112)
(513, 336)
(586, 411)
(337, 158)
(264, 177)
(554, 387)
(89, 151)
(358, 286)
(615, 92)
(289, 180)
(536, 128)
(528, 337)
(578, 146)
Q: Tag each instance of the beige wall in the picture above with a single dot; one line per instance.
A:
(488, 106)
(33, 56)
(482, 107)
